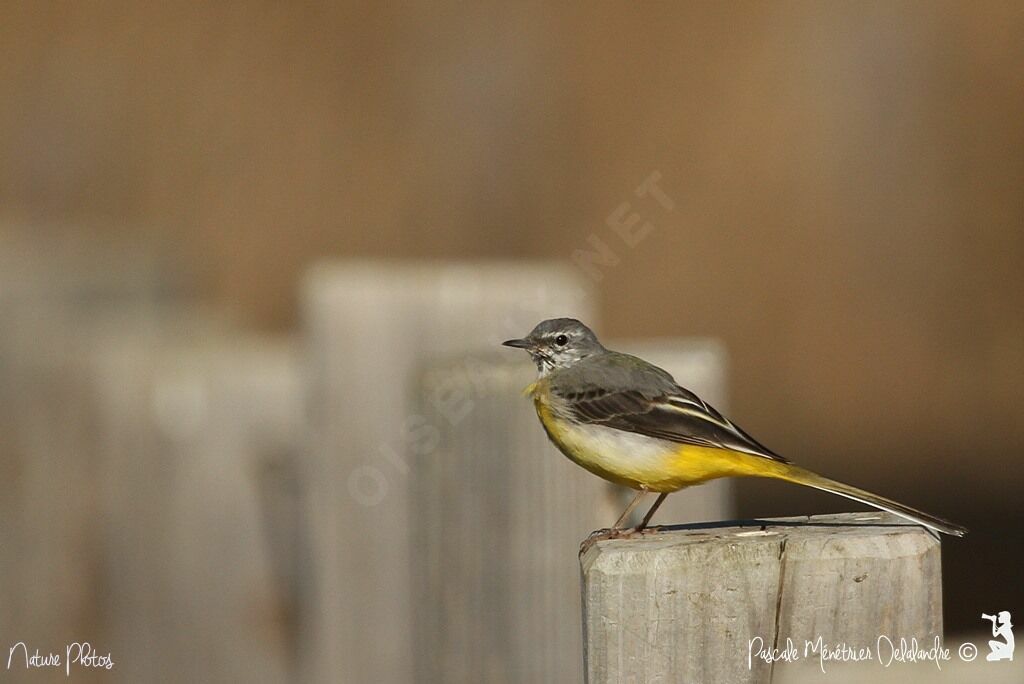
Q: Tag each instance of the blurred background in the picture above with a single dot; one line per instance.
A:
(832, 191)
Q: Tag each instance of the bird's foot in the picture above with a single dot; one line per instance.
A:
(606, 534)
(617, 533)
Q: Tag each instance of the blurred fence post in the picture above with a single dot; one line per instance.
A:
(192, 418)
(134, 478)
(370, 325)
(699, 603)
(498, 515)
(229, 419)
(52, 298)
(499, 512)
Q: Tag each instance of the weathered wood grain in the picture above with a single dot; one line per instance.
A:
(689, 604)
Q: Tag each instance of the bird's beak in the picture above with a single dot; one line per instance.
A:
(518, 344)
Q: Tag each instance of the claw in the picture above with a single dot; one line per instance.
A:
(604, 535)
(617, 533)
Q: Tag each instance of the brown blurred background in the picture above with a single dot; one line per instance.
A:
(848, 181)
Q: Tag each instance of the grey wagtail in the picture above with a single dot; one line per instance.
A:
(628, 422)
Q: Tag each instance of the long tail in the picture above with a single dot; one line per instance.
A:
(798, 475)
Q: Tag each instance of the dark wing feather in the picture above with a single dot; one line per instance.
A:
(654, 405)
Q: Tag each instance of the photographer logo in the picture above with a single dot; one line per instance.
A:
(1000, 647)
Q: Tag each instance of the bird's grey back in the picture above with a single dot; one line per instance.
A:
(612, 371)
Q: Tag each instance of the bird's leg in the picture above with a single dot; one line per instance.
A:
(629, 509)
(616, 529)
(650, 513)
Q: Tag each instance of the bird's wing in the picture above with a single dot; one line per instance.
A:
(651, 403)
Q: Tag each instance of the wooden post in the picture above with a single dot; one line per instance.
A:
(229, 424)
(499, 514)
(698, 603)
(509, 612)
(369, 326)
(191, 429)
(51, 297)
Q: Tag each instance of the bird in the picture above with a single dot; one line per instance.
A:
(629, 422)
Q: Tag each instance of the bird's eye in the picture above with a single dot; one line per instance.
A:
(561, 340)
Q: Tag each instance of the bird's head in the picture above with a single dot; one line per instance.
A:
(558, 343)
